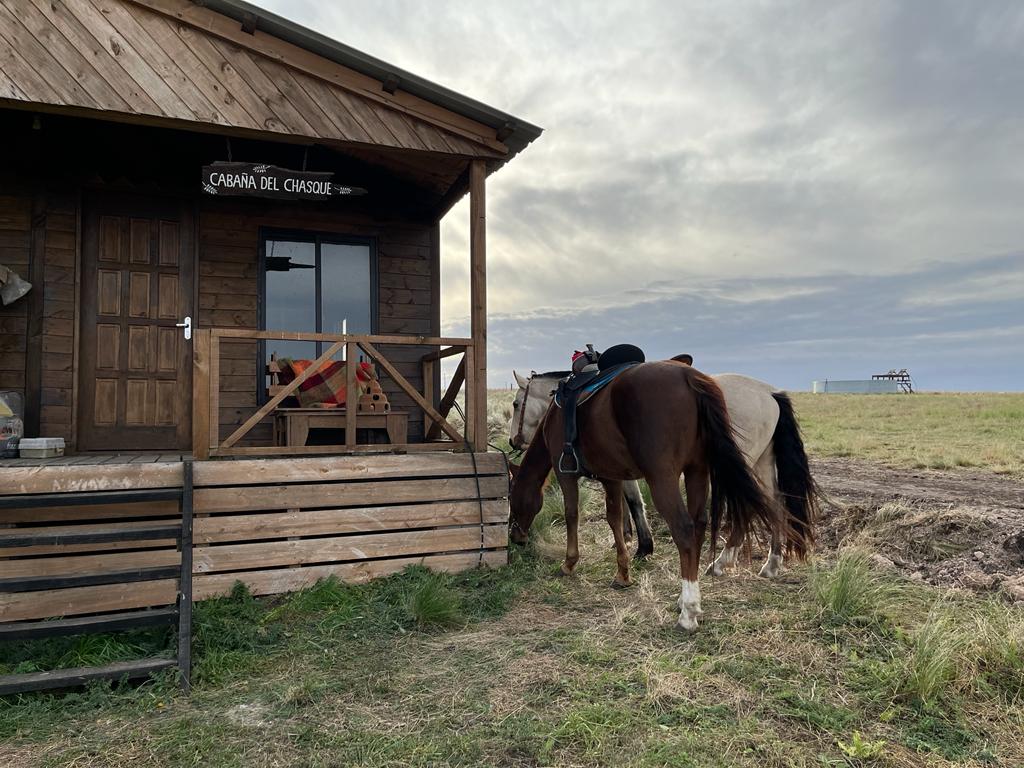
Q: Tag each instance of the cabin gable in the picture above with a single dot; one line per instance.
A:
(172, 62)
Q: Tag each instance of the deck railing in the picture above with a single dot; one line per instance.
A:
(440, 434)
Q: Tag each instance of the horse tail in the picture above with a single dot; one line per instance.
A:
(793, 472)
(734, 488)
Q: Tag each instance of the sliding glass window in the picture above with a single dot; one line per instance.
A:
(316, 283)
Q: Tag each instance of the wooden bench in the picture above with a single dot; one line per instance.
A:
(292, 424)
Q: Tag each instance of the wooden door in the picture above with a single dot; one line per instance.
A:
(135, 365)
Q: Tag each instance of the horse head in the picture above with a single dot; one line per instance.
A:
(529, 406)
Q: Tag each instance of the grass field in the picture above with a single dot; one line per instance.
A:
(928, 430)
(838, 664)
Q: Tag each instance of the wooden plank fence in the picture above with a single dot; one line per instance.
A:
(276, 525)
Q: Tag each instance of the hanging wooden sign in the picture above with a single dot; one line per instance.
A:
(255, 180)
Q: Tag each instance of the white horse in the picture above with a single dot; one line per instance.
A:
(766, 432)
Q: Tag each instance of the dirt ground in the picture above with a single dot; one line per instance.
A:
(962, 528)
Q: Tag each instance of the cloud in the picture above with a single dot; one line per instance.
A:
(801, 188)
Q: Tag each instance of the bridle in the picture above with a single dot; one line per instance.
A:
(513, 523)
(521, 416)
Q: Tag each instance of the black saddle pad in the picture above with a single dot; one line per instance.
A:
(619, 354)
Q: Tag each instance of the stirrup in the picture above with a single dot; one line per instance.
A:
(569, 451)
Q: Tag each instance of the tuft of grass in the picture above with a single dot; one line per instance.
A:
(431, 602)
(997, 651)
(587, 730)
(853, 591)
(932, 668)
(232, 635)
(328, 595)
(300, 695)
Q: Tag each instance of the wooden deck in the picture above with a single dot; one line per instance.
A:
(92, 459)
(275, 524)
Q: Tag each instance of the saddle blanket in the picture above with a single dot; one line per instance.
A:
(589, 385)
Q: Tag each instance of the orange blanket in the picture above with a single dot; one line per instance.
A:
(327, 385)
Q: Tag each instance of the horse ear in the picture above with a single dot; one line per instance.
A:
(520, 380)
(684, 358)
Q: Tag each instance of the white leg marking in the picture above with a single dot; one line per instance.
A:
(772, 567)
(689, 605)
(724, 561)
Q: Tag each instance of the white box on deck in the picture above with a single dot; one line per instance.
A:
(41, 447)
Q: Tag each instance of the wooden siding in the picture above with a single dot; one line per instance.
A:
(260, 522)
(173, 60)
(229, 293)
(15, 247)
(37, 332)
(58, 332)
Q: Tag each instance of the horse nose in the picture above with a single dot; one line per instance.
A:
(516, 441)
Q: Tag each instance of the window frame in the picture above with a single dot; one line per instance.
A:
(318, 239)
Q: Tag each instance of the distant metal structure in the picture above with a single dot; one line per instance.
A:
(901, 377)
(854, 387)
(892, 383)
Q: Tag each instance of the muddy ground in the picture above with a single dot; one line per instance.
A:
(960, 528)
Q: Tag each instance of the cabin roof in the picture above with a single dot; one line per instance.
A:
(513, 131)
(226, 66)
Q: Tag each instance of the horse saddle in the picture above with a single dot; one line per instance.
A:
(576, 389)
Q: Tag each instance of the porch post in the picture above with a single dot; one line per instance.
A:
(201, 344)
(478, 302)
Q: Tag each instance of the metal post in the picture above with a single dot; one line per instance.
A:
(185, 580)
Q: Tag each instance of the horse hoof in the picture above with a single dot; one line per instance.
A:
(617, 584)
(714, 570)
(771, 569)
(686, 625)
(567, 570)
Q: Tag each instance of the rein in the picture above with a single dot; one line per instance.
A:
(522, 413)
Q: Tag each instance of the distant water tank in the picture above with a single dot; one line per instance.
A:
(856, 387)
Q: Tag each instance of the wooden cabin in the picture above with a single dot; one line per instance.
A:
(197, 191)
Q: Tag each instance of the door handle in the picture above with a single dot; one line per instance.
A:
(187, 325)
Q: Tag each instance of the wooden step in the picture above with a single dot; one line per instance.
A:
(90, 536)
(108, 622)
(33, 583)
(91, 497)
(70, 678)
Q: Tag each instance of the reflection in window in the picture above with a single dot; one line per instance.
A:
(316, 285)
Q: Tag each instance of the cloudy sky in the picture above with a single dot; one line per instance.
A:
(794, 190)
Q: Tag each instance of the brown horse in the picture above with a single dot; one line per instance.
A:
(656, 421)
